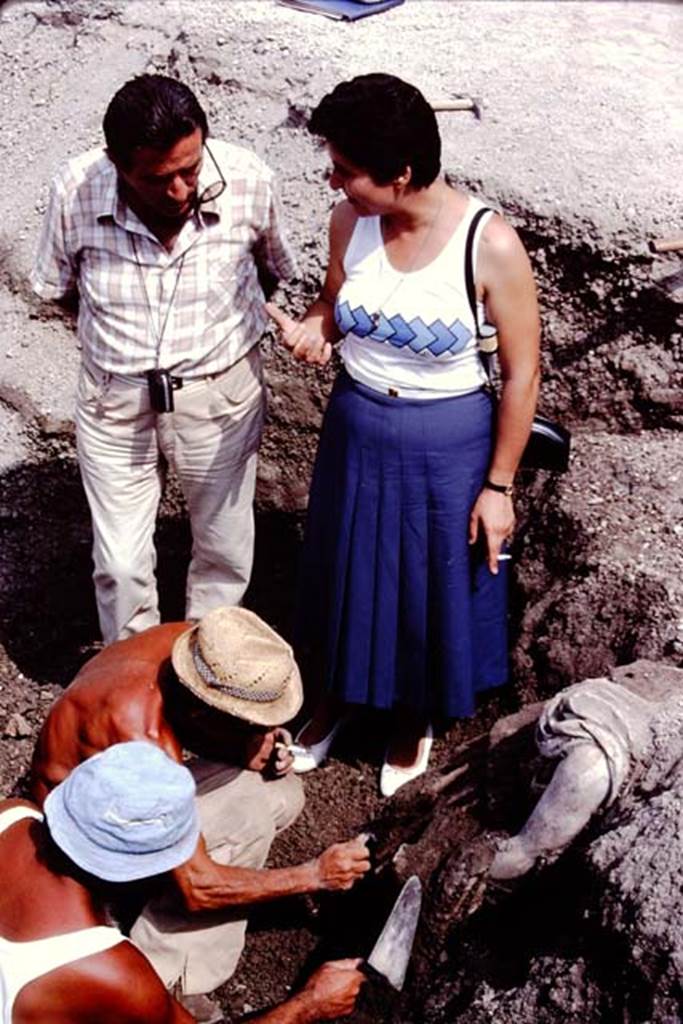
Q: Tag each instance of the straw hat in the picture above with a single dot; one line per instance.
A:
(234, 661)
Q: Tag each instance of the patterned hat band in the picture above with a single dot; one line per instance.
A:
(240, 692)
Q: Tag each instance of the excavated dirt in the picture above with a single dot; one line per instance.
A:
(580, 144)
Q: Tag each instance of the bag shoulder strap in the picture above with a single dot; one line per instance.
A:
(485, 352)
(469, 264)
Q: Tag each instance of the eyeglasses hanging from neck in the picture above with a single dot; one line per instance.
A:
(216, 188)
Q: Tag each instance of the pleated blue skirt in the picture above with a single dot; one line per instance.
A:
(395, 606)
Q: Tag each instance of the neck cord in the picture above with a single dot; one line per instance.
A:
(150, 313)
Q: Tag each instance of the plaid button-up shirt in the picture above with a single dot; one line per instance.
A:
(205, 291)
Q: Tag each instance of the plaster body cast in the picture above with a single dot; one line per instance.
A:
(598, 732)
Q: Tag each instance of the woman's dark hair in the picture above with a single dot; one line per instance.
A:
(151, 110)
(383, 125)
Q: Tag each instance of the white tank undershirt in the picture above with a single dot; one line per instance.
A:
(413, 332)
(22, 962)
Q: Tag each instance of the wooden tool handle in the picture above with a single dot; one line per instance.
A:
(462, 104)
(667, 245)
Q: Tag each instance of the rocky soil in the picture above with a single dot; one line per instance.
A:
(580, 144)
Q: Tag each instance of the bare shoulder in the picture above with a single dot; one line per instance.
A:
(121, 984)
(343, 214)
(16, 801)
(499, 241)
(136, 989)
(502, 259)
(342, 223)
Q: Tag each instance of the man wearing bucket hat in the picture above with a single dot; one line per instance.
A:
(221, 688)
(60, 958)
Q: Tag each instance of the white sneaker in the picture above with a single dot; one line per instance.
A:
(392, 777)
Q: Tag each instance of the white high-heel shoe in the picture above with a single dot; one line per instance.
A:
(392, 777)
(311, 756)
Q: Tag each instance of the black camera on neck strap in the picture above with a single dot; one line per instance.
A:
(161, 386)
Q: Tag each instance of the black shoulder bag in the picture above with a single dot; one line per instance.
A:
(549, 443)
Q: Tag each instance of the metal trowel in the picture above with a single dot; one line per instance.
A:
(392, 950)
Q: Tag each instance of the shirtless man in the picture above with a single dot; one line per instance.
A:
(61, 962)
(232, 683)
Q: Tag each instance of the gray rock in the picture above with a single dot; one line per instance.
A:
(17, 727)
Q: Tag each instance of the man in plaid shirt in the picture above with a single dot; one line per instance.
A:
(168, 242)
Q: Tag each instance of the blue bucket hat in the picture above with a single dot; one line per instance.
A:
(126, 813)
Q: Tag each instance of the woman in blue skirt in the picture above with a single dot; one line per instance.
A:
(403, 587)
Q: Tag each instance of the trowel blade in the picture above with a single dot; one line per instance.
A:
(392, 950)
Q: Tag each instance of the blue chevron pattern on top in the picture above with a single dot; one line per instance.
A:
(444, 337)
(402, 332)
(383, 331)
(436, 338)
(347, 321)
(422, 336)
(364, 322)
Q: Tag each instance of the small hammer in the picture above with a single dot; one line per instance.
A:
(461, 103)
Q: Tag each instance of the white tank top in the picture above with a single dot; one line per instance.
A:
(414, 331)
(22, 962)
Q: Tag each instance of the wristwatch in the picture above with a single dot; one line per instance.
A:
(506, 489)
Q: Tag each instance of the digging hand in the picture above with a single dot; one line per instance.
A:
(342, 864)
(333, 988)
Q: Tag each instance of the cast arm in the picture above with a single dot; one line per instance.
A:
(510, 295)
(206, 885)
(578, 789)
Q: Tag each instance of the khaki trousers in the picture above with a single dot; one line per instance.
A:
(211, 442)
(240, 814)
